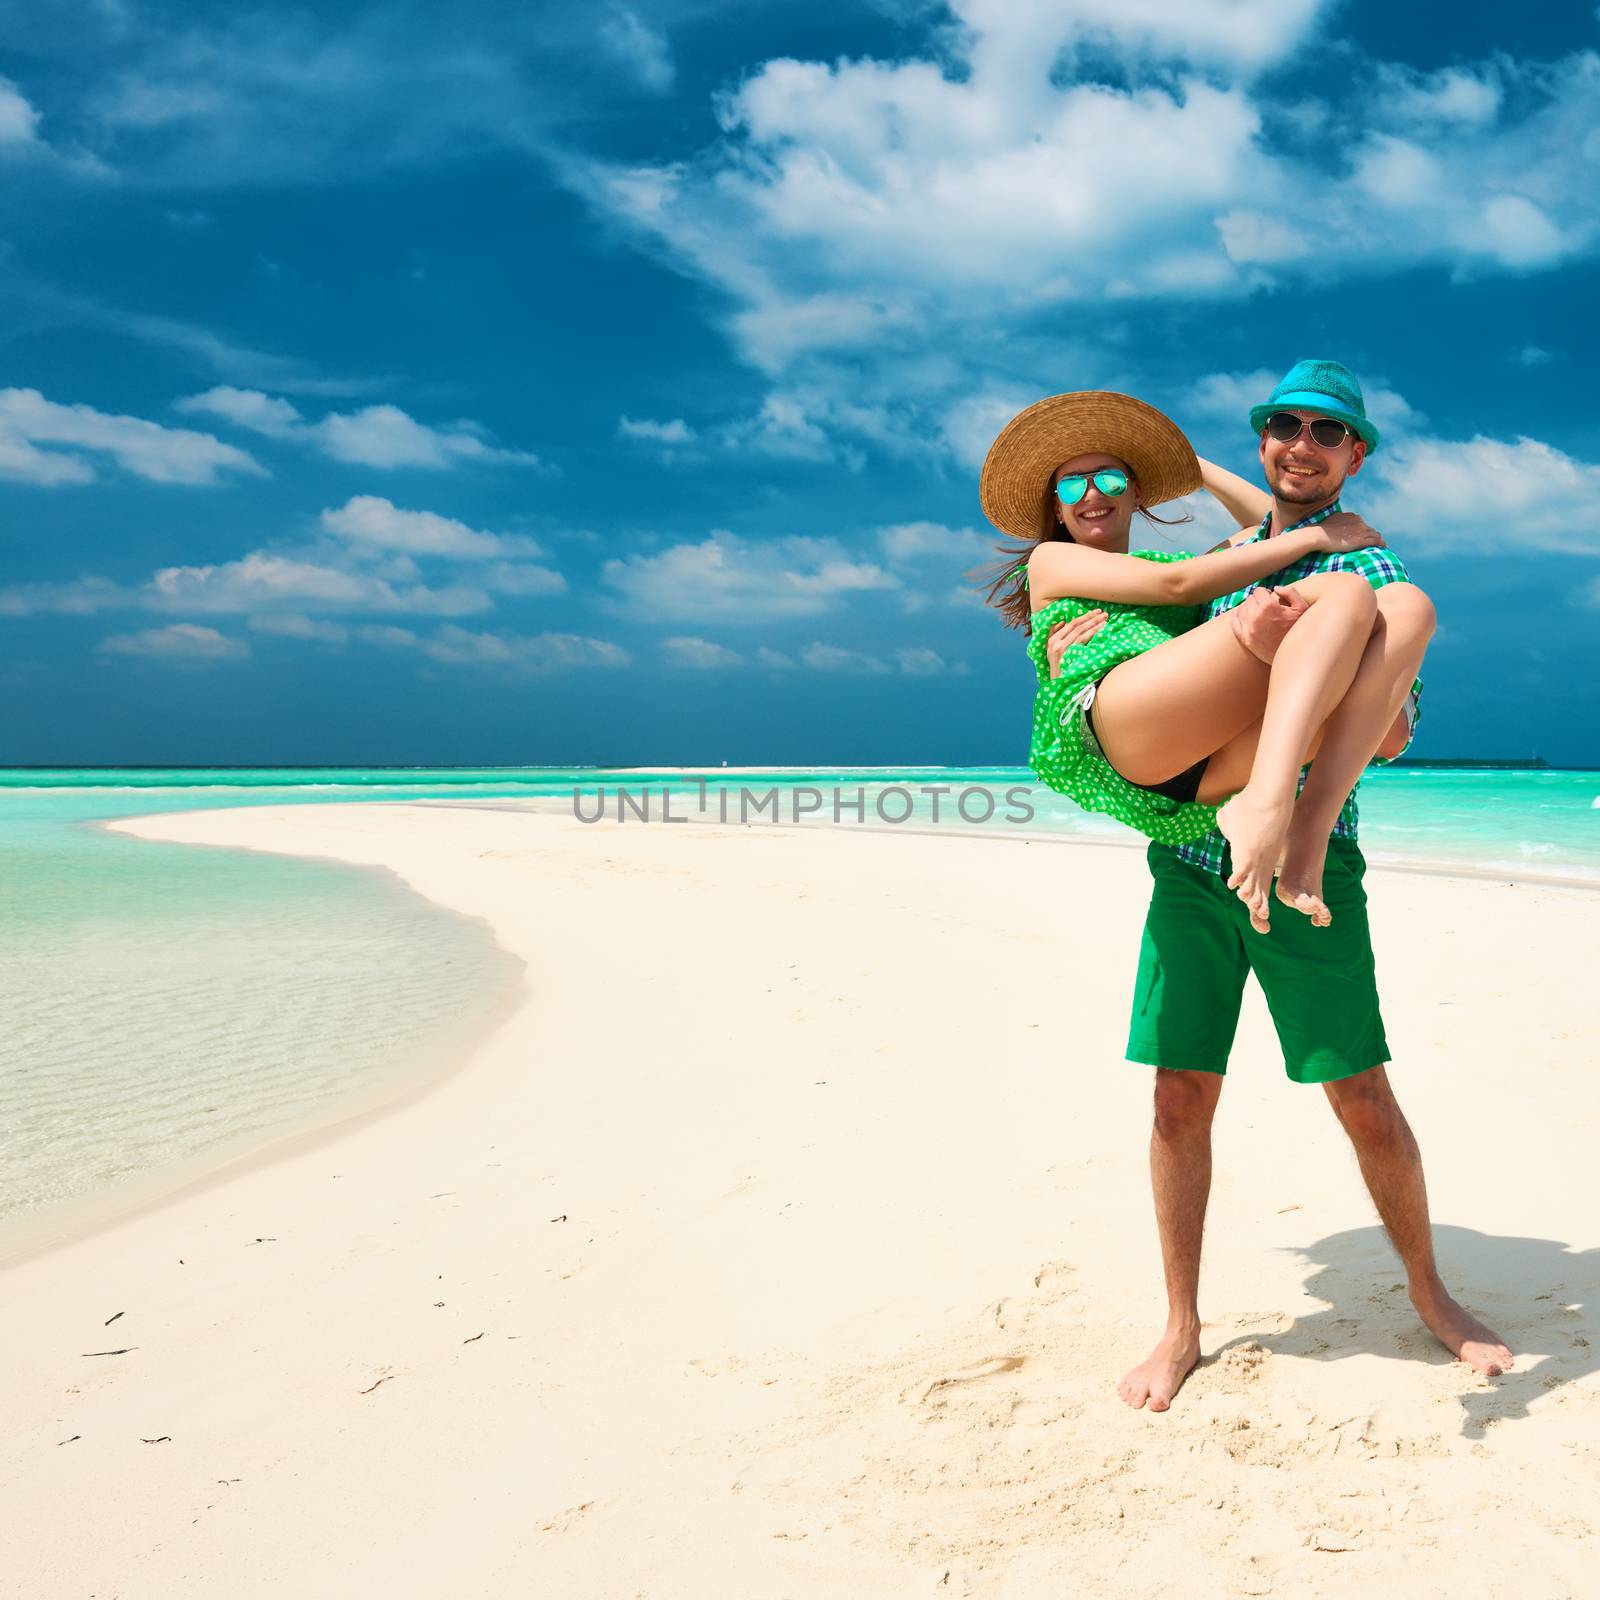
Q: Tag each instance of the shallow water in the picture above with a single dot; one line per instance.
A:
(167, 1009)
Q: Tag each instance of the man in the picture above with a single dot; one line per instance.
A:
(1318, 979)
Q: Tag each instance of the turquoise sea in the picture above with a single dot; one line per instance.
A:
(168, 1010)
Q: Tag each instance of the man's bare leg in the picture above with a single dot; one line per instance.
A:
(1392, 1166)
(1180, 1176)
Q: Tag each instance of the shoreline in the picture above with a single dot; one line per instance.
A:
(32, 1233)
(104, 1210)
(802, 1204)
(1416, 866)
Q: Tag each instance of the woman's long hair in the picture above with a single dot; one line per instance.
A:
(1007, 581)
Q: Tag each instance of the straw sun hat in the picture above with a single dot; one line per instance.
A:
(1015, 484)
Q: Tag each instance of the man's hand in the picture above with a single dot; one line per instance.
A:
(1345, 531)
(1264, 620)
(1066, 634)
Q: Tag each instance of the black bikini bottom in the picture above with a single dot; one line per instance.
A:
(1183, 788)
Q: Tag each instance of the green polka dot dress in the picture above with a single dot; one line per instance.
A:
(1065, 753)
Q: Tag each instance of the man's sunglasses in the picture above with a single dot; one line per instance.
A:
(1107, 480)
(1285, 425)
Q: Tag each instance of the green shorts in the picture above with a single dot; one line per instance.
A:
(1199, 945)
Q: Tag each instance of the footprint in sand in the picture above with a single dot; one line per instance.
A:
(989, 1367)
(1054, 1281)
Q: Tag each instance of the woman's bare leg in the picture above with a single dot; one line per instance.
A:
(1161, 712)
(1389, 664)
(1312, 670)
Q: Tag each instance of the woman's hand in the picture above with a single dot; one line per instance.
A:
(1345, 531)
(1066, 634)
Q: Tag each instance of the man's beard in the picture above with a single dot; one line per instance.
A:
(1297, 492)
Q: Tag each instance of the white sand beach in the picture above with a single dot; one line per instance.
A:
(789, 1241)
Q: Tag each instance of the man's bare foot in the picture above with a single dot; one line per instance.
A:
(1160, 1375)
(1300, 874)
(1255, 832)
(1463, 1335)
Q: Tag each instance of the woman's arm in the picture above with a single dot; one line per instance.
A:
(1058, 567)
(1245, 503)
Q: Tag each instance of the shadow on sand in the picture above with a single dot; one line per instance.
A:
(1538, 1294)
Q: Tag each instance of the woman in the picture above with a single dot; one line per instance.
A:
(1159, 718)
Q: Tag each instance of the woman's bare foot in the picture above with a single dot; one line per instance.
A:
(1462, 1334)
(1160, 1375)
(1255, 832)
(1300, 873)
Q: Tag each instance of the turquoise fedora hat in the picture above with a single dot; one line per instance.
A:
(1322, 386)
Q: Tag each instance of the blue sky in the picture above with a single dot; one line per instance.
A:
(609, 383)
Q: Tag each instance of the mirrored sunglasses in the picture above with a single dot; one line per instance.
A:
(1108, 480)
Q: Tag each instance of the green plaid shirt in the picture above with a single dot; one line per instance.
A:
(1378, 567)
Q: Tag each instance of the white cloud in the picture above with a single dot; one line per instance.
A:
(704, 653)
(1484, 493)
(677, 431)
(146, 449)
(746, 580)
(260, 583)
(369, 519)
(781, 428)
(1455, 96)
(889, 236)
(834, 658)
(1532, 355)
(264, 581)
(384, 436)
(640, 48)
(776, 659)
(178, 641)
(24, 463)
(931, 543)
(521, 578)
(971, 424)
(387, 635)
(374, 436)
(932, 562)
(247, 408)
(920, 661)
(1520, 234)
(1249, 238)
(292, 625)
(540, 652)
(19, 122)
(82, 598)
